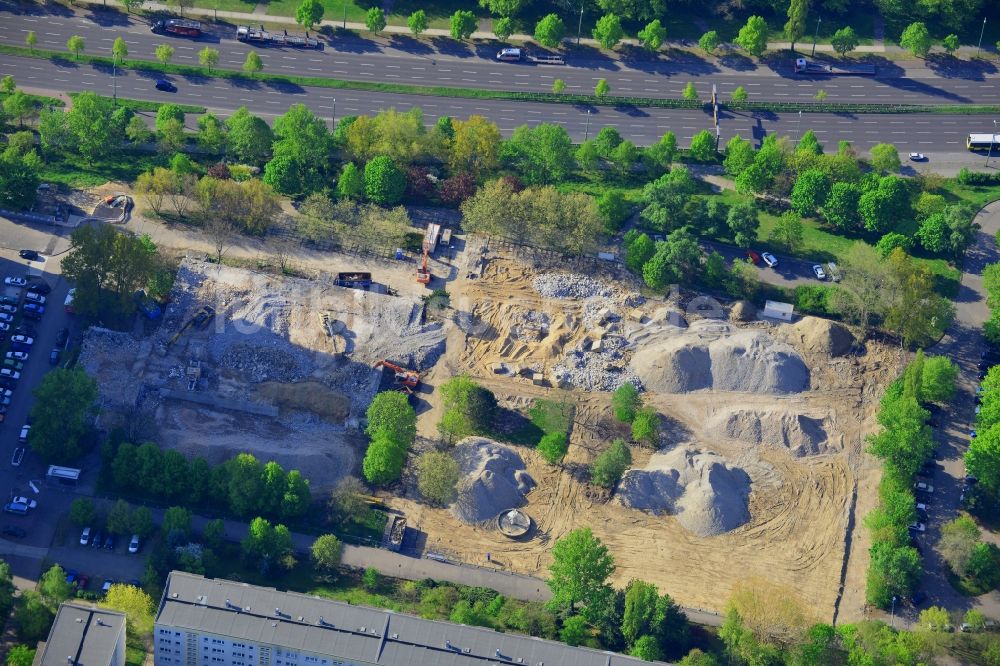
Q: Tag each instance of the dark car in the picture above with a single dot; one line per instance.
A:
(32, 314)
(30, 255)
(7, 383)
(109, 543)
(33, 307)
(40, 287)
(82, 582)
(62, 337)
(165, 86)
(97, 539)
(54, 357)
(16, 532)
(25, 329)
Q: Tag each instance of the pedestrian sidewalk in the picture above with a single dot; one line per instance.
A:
(257, 17)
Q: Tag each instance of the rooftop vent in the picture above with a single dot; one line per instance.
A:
(173, 596)
(69, 659)
(100, 622)
(321, 621)
(79, 619)
(395, 636)
(277, 611)
(300, 618)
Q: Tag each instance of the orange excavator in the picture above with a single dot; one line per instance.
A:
(431, 237)
(408, 380)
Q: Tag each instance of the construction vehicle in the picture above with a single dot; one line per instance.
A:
(431, 237)
(200, 319)
(180, 27)
(408, 380)
(146, 305)
(803, 66)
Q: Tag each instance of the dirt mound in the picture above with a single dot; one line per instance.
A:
(313, 397)
(745, 362)
(818, 336)
(493, 480)
(707, 496)
(743, 311)
(801, 434)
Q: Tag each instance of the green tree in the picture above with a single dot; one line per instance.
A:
(375, 20)
(690, 92)
(608, 466)
(950, 43)
(468, 408)
(164, 52)
(602, 89)
(502, 7)
(975, 619)
(135, 603)
(325, 553)
(646, 426)
(417, 22)
(176, 524)
(53, 586)
(20, 655)
(844, 40)
(574, 630)
(82, 512)
(894, 571)
(753, 36)
(62, 412)
(581, 566)
(841, 206)
(75, 45)
(646, 649)
(371, 579)
(660, 155)
(638, 252)
(608, 31)
(740, 95)
(550, 30)
(938, 380)
(885, 157)
(119, 50)
(384, 459)
(653, 35)
(916, 39)
(809, 143)
(626, 401)
(982, 459)
(266, 544)
(253, 63)
(119, 518)
(788, 231)
(214, 533)
(350, 184)
(32, 617)
(703, 147)
(30, 40)
(141, 522)
(541, 154)
(309, 13)
(640, 609)
(7, 84)
(248, 137)
(709, 41)
(795, 27)
(463, 24)
(18, 105)
(438, 475)
(743, 222)
(209, 58)
(384, 182)
(553, 447)
(503, 28)
(959, 538)
(819, 96)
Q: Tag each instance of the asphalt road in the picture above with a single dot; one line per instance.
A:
(940, 136)
(445, 62)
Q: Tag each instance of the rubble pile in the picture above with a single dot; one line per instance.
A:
(571, 285)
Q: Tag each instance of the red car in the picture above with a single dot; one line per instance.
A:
(753, 256)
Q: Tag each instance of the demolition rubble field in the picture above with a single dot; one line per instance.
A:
(760, 470)
(283, 370)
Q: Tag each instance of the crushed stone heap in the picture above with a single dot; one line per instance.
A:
(705, 494)
(800, 434)
(494, 479)
(813, 335)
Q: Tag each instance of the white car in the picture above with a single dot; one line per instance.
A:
(769, 259)
(85, 536)
(35, 297)
(17, 356)
(4, 326)
(6, 307)
(918, 527)
(918, 157)
(10, 373)
(18, 456)
(15, 281)
(23, 339)
(30, 503)
(133, 545)
(923, 487)
(820, 273)
(23, 437)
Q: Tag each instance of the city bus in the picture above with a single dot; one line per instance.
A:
(989, 142)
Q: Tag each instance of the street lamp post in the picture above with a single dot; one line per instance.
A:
(114, 83)
(980, 47)
(333, 116)
(816, 35)
(989, 150)
(586, 133)
(893, 614)
(579, 25)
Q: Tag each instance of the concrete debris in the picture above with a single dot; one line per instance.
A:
(570, 285)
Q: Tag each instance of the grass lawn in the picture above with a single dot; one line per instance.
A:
(438, 13)
(70, 171)
(977, 196)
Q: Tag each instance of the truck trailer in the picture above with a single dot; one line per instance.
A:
(803, 66)
(248, 35)
(182, 27)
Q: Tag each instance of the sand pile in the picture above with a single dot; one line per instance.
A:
(743, 311)
(707, 496)
(818, 336)
(493, 480)
(745, 362)
(801, 434)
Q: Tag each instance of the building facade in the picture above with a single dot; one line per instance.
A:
(84, 635)
(211, 622)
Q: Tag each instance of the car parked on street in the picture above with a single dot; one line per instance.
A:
(753, 257)
(6, 316)
(33, 307)
(97, 539)
(54, 357)
(109, 541)
(9, 309)
(819, 272)
(23, 437)
(106, 587)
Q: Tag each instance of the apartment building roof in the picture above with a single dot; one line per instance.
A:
(82, 635)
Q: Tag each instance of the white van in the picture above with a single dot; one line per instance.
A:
(509, 55)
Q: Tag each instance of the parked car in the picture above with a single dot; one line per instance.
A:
(35, 297)
(40, 287)
(17, 356)
(71, 576)
(923, 487)
(82, 582)
(107, 585)
(6, 316)
(133, 545)
(85, 536)
(11, 363)
(62, 337)
(8, 300)
(9, 309)
(819, 272)
(165, 86)
(9, 372)
(917, 527)
(22, 340)
(510, 55)
(918, 157)
(769, 259)
(753, 256)
(23, 437)
(97, 539)
(11, 281)
(32, 314)
(16, 532)
(33, 307)
(30, 503)
(25, 328)
(18, 456)
(15, 508)
(4, 326)
(54, 357)
(30, 255)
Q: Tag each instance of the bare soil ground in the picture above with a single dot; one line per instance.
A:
(804, 469)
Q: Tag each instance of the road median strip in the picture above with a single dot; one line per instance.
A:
(503, 95)
(146, 105)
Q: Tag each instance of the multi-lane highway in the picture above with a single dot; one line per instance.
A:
(932, 134)
(446, 62)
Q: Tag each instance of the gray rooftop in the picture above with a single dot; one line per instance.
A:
(321, 626)
(84, 634)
